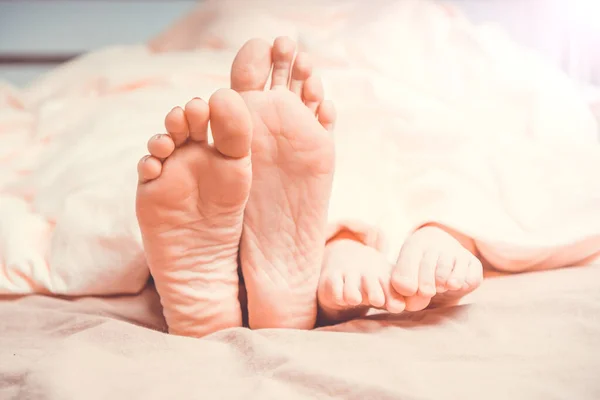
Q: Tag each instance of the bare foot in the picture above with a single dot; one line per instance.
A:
(292, 162)
(433, 263)
(354, 279)
(190, 210)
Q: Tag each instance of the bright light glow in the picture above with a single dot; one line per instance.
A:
(585, 13)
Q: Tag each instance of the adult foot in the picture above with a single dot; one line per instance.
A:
(434, 263)
(283, 239)
(190, 206)
(354, 279)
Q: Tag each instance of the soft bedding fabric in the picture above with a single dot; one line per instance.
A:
(439, 121)
(528, 337)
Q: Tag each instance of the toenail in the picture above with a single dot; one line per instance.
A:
(156, 137)
(145, 158)
(453, 282)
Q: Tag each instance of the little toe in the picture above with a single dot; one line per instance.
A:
(427, 274)
(149, 168)
(177, 126)
(444, 269)
(161, 146)
(282, 56)
(251, 66)
(231, 123)
(405, 276)
(458, 276)
(301, 71)
(313, 93)
(326, 115)
(352, 292)
(197, 114)
(373, 291)
(333, 289)
(417, 303)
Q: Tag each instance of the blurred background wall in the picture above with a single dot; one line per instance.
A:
(73, 27)
(564, 32)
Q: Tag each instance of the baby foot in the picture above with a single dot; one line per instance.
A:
(433, 262)
(355, 278)
(190, 206)
(283, 239)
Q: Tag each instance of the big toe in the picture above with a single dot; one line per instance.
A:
(405, 276)
(231, 123)
(251, 66)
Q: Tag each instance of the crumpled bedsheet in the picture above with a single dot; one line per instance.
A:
(439, 121)
(527, 337)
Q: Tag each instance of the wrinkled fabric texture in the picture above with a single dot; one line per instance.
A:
(439, 121)
(526, 337)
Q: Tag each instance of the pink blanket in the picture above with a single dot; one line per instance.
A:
(439, 121)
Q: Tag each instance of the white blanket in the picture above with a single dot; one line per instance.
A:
(438, 121)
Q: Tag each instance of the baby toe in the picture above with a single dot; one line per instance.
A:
(332, 288)
(444, 269)
(373, 291)
(394, 302)
(427, 271)
(417, 303)
(474, 273)
(352, 290)
(458, 276)
(405, 276)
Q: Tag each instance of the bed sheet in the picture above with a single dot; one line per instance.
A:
(530, 336)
